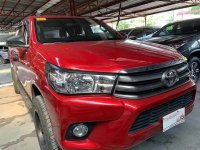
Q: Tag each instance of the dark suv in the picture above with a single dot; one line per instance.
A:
(185, 37)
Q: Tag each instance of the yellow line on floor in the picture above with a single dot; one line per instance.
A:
(5, 85)
(5, 71)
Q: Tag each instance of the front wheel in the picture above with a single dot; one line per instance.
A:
(194, 63)
(43, 125)
(15, 81)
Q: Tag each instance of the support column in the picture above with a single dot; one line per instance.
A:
(72, 8)
(118, 20)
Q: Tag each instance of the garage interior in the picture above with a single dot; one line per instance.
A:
(13, 12)
(16, 126)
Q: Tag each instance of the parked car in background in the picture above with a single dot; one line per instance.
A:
(185, 37)
(3, 54)
(125, 32)
(142, 33)
(90, 89)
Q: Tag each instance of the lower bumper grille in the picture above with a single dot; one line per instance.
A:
(151, 116)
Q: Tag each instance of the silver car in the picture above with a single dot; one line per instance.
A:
(3, 54)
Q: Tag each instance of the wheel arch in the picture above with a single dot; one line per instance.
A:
(35, 91)
(195, 53)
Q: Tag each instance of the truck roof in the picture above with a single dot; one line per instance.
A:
(34, 17)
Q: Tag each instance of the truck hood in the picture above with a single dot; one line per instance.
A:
(106, 56)
(171, 39)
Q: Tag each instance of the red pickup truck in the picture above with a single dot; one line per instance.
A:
(88, 88)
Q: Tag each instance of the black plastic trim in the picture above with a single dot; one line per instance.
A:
(153, 67)
(151, 116)
(69, 133)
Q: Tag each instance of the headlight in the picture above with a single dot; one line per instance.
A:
(76, 82)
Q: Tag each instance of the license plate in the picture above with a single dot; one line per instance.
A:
(173, 119)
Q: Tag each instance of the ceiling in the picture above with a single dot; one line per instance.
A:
(13, 11)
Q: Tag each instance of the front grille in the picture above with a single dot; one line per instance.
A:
(151, 116)
(146, 81)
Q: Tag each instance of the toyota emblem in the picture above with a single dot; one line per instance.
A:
(170, 78)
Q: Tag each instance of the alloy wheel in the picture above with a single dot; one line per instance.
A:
(195, 70)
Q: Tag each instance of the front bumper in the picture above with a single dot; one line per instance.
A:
(113, 117)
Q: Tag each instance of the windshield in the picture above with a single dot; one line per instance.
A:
(186, 27)
(53, 30)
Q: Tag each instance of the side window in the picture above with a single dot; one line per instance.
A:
(197, 26)
(195, 45)
(185, 27)
(137, 33)
(149, 31)
(192, 45)
(167, 30)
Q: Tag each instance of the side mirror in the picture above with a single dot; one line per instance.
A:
(16, 41)
(132, 37)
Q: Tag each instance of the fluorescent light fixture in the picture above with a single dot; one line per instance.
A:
(47, 6)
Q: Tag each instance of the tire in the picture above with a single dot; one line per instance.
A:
(43, 125)
(2, 61)
(16, 87)
(194, 64)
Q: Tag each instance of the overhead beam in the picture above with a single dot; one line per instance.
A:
(72, 8)
(136, 5)
(120, 7)
(31, 13)
(55, 7)
(96, 5)
(147, 9)
(124, 8)
(11, 11)
(6, 11)
(24, 10)
(16, 14)
(11, 15)
(4, 2)
(135, 15)
(191, 2)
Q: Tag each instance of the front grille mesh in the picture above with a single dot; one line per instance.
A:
(151, 116)
(146, 83)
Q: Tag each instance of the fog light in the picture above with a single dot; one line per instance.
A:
(80, 130)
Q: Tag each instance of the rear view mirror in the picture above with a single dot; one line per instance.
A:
(16, 41)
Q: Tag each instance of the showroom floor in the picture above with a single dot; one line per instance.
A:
(17, 129)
